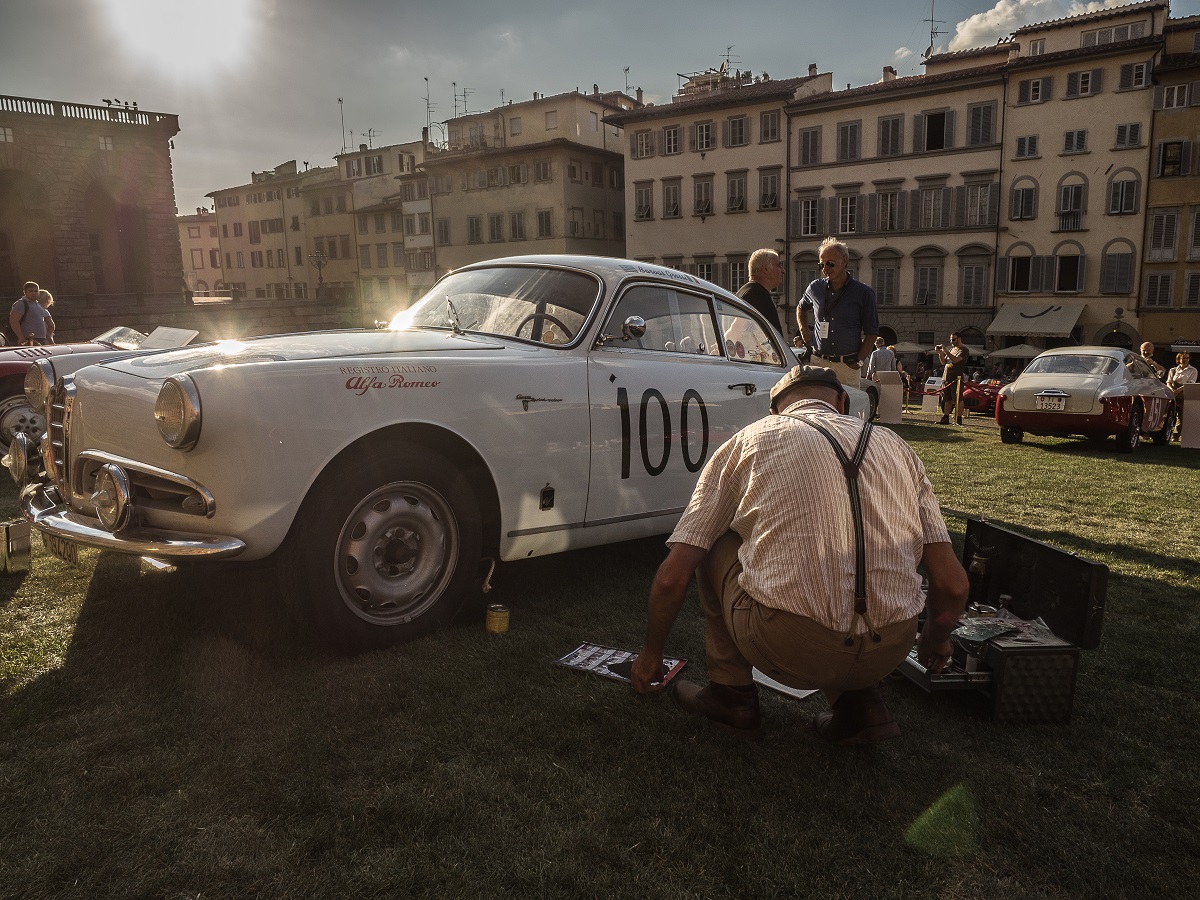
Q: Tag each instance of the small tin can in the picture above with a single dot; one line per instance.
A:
(497, 618)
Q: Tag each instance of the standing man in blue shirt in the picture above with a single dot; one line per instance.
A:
(838, 317)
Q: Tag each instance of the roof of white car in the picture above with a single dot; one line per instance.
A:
(1115, 352)
(610, 268)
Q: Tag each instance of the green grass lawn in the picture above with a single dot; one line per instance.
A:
(175, 735)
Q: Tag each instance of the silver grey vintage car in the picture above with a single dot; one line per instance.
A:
(524, 406)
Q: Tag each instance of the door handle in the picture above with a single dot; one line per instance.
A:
(748, 386)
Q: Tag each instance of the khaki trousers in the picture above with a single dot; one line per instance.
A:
(848, 375)
(742, 634)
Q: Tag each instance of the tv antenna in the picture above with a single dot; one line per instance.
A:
(372, 133)
(428, 107)
(727, 58)
(342, 113)
(627, 79)
(933, 30)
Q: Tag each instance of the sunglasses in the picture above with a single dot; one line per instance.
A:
(828, 265)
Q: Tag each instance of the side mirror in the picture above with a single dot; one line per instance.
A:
(634, 327)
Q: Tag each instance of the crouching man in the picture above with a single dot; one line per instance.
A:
(805, 573)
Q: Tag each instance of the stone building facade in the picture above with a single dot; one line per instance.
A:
(87, 199)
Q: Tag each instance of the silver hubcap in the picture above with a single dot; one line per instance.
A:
(396, 553)
(18, 417)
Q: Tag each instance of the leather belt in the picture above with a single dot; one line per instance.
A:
(850, 359)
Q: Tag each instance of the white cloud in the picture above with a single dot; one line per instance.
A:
(902, 54)
(985, 28)
(399, 54)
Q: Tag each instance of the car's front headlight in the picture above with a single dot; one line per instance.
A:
(177, 412)
(39, 381)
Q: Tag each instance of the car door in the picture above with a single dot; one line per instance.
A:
(662, 401)
(1146, 385)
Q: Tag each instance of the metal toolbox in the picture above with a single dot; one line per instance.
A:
(1030, 680)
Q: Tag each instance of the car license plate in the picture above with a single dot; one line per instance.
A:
(65, 550)
(1051, 403)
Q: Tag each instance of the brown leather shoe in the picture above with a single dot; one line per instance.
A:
(731, 709)
(858, 717)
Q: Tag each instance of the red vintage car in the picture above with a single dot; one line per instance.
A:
(1090, 391)
(16, 416)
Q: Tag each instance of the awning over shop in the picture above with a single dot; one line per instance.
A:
(908, 347)
(1021, 351)
(1048, 319)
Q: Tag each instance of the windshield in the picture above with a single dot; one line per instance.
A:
(546, 306)
(122, 337)
(1072, 364)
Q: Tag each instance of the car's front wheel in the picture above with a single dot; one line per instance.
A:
(1127, 440)
(384, 549)
(1011, 435)
(16, 415)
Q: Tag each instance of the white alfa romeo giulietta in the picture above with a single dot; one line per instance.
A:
(524, 406)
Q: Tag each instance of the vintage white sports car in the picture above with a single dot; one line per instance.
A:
(524, 406)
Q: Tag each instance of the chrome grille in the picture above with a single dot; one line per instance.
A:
(58, 422)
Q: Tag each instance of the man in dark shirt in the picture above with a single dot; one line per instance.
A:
(766, 272)
(838, 316)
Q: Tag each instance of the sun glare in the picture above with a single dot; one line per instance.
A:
(183, 38)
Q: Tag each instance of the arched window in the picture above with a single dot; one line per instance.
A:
(1124, 189)
(1069, 267)
(1072, 201)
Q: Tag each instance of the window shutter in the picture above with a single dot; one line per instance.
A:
(1014, 211)
(873, 213)
(1114, 198)
(949, 136)
(1194, 93)
(723, 276)
(918, 133)
(1097, 81)
(1047, 87)
(794, 214)
(901, 208)
(1002, 273)
(1081, 278)
(993, 210)
(914, 209)
(691, 137)
(1023, 91)
(1126, 76)
(1158, 96)
(1185, 159)
(725, 133)
(1073, 84)
(960, 206)
(1106, 273)
(1035, 274)
(947, 206)
(820, 204)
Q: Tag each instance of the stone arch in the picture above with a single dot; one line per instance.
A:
(1117, 334)
(26, 233)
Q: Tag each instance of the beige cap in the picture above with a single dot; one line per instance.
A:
(818, 375)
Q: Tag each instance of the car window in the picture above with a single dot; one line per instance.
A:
(676, 322)
(745, 338)
(1072, 364)
(546, 306)
(1137, 367)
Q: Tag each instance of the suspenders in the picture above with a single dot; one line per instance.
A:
(850, 467)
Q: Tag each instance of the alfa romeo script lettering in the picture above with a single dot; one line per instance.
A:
(360, 384)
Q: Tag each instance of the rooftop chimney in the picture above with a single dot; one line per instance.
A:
(639, 95)
(595, 88)
(889, 74)
(362, 148)
(812, 70)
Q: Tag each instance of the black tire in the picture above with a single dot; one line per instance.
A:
(873, 399)
(1163, 435)
(1128, 439)
(16, 415)
(416, 520)
(1011, 435)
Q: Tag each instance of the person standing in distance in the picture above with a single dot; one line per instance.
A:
(1148, 356)
(837, 315)
(766, 274)
(27, 318)
(882, 358)
(955, 362)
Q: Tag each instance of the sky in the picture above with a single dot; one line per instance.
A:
(256, 83)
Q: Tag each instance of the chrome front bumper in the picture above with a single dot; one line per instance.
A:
(39, 504)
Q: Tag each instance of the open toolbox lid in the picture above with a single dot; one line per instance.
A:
(1066, 590)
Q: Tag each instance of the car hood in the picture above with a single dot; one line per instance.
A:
(1081, 390)
(325, 345)
(32, 354)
